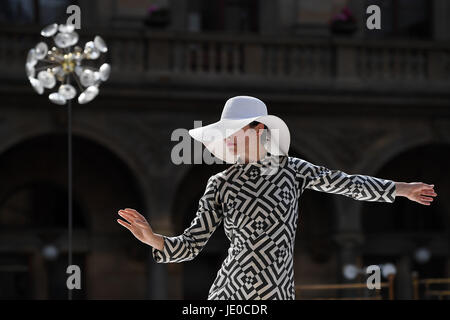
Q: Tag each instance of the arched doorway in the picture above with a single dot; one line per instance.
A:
(394, 232)
(33, 221)
(198, 275)
(315, 248)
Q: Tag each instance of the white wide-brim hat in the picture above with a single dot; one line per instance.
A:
(238, 112)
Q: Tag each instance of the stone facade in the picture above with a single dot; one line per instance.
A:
(352, 105)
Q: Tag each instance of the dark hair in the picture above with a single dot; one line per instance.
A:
(255, 123)
(264, 135)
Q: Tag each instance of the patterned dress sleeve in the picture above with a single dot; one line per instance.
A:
(356, 186)
(187, 246)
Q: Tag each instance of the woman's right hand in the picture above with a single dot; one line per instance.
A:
(137, 224)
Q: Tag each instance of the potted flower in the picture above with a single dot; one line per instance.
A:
(344, 22)
(157, 17)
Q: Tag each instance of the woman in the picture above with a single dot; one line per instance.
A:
(256, 198)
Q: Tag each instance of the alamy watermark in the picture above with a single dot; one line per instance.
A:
(229, 143)
(74, 278)
(75, 17)
(374, 20)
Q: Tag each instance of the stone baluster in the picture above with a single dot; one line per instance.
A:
(324, 62)
(233, 58)
(115, 55)
(368, 63)
(280, 60)
(438, 64)
(177, 56)
(403, 64)
(212, 57)
(446, 65)
(253, 59)
(292, 61)
(311, 61)
(137, 55)
(270, 60)
(397, 64)
(191, 58)
(238, 56)
(410, 64)
(390, 61)
(223, 57)
(421, 65)
(377, 64)
(266, 55)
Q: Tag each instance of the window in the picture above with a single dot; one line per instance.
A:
(403, 18)
(230, 15)
(33, 11)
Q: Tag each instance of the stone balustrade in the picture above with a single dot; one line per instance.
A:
(202, 59)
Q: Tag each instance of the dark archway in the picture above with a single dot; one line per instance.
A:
(314, 243)
(198, 274)
(33, 214)
(394, 232)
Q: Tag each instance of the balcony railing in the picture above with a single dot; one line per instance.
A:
(220, 59)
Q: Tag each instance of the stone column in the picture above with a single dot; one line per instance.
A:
(95, 13)
(158, 280)
(288, 15)
(178, 15)
(403, 284)
(159, 204)
(349, 237)
(312, 17)
(358, 8)
(440, 23)
(349, 244)
(269, 17)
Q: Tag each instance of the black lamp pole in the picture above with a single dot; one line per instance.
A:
(69, 138)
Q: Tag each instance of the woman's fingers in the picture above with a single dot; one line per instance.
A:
(135, 213)
(426, 185)
(129, 215)
(126, 216)
(130, 211)
(427, 190)
(429, 193)
(123, 223)
(421, 201)
(424, 200)
(132, 220)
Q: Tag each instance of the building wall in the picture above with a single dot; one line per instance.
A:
(351, 104)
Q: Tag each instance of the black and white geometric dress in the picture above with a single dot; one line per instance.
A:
(258, 205)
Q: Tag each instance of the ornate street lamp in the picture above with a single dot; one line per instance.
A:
(67, 66)
(66, 62)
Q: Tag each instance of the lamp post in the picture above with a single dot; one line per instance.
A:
(71, 66)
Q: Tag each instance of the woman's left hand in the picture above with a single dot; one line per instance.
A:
(137, 224)
(416, 191)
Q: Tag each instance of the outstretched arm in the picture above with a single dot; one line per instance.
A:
(355, 186)
(361, 187)
(186, 246)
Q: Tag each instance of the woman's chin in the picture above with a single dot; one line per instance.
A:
(232, 150)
